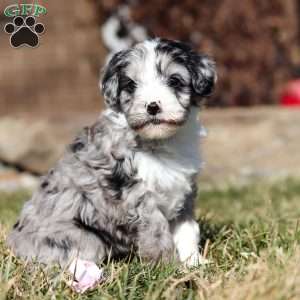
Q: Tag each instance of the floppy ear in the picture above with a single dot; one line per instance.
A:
(204, 76)
(110, 79)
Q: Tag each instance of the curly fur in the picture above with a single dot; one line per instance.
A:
(126, 183)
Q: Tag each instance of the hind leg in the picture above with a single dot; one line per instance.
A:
(53, 245)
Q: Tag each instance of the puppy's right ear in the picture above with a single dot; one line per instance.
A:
(109, 83)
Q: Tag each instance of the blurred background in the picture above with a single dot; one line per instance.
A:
(48, 93)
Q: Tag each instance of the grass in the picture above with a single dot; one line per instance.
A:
(251, 236)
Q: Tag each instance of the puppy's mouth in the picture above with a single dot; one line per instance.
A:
(155, 122)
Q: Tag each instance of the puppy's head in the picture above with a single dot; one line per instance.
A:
(155, 83)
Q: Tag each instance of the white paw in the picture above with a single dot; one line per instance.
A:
(195, 260)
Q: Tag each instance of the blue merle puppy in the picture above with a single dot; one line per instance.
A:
(128, 182)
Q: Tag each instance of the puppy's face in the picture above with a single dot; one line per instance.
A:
(155, 83)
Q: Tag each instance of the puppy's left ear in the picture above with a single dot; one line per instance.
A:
(204, 76)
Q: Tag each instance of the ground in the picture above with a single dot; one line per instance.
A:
(250, 235)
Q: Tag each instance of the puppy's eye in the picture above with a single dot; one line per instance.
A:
(128, 85)
(176, 81)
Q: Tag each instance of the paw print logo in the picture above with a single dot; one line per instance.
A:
(24, 32)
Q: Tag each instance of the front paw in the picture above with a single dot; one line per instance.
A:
(194, 260)
(163, 250)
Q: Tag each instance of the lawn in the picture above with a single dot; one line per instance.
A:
(250, 235)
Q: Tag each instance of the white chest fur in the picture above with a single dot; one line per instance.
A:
(168, 170)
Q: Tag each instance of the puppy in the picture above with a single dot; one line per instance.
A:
(128, 182)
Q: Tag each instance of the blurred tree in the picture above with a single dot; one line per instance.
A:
(256, 44)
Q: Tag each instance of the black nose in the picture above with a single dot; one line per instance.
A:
(153, 109)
